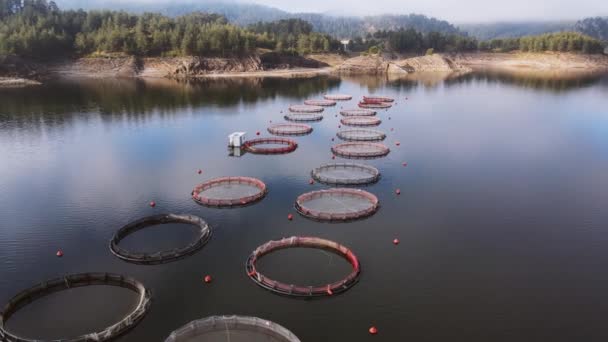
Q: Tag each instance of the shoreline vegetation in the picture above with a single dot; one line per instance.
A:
(39, 41)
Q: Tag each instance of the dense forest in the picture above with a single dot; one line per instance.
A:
(505, 30)
(563, 42)
(295, 35)
(594, 27)
(412, 41)
(40, 28)
(245, 14)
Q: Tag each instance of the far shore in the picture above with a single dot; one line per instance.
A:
(326, 64)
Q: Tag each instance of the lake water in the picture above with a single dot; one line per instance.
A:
(502, 216)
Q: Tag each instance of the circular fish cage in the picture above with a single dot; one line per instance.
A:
(299, 290)
(229, 192)
(305, 109)
(374, 105)
(322, 103)
(360, 150)
(360, 121)
(286, 146)
(303, 117)
(378, 99)
(49, 287)
(358, 112)
(346, 174)
(338, 97)
(222, 328)
(361, 134)
(289, 129)
(337, 204)
(204, 234)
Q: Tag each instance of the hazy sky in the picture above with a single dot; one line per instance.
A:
(453, 10)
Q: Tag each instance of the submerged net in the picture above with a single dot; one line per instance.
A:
(203, 236)
(323, 103)
(358, 112)
(298, 290)
(378, 99)
(304, 117)
(305, 109)
(361, 121)
(80, 280)
(272, 146)
(360, 150)
(290, 129)
(361, 134)
(379, 105)
(338, 204)
(232, 329)
(229, 191)
(338, 97)
(345, 174)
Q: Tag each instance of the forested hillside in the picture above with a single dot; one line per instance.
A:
(502, 30)
(40, 29)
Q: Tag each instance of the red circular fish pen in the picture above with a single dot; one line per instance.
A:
(287, 146)
(358, 112)
(305, 109)
(322, 103)
(287, 129)
(338, 97)
(375, 105)
(337, 204)
(229, 192)
(299, 290)
(377, 99)
(360, 121)
(354, 150)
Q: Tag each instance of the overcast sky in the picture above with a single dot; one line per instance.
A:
(453, 10)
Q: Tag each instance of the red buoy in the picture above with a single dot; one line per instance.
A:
(396, 241)
(398, 192)
(257, 133)
(404, 164)
(153, 204)
(59, 254)
(200, 171)
(208, 279)
(290, 217)
(311, 182)
(373, 330)
(397, 143)
(333, 157)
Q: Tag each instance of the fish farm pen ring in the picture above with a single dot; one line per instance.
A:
(204, 234)
(361, 134)
(215, 324)
(375, 105)
(346, 174)
(228, 192)
(289, 129)
(361, 121)
(338, 97)
(305, 109)
(322, 103)
(354, 150)
(299, 290)
(79, 280)
(337, 204)
(358, 112)
(378, 99)
(251, 146)
(303, 117)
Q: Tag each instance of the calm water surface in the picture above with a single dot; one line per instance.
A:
(502, 214)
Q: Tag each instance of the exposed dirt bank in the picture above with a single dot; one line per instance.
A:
(13, 82)
(548, 61)
(377, 65)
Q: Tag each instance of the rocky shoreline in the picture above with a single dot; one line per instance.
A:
(19, 72)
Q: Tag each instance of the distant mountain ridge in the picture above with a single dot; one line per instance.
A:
(503, 30)
(244, 14)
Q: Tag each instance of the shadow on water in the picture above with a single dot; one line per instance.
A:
(138, 96)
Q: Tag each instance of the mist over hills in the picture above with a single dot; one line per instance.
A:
(346, 27)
